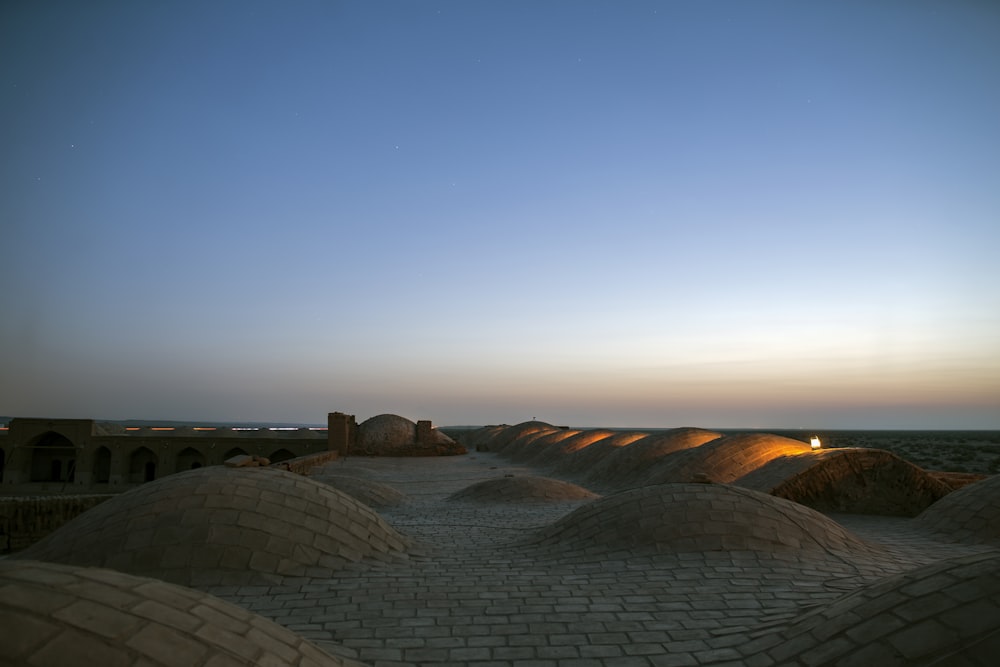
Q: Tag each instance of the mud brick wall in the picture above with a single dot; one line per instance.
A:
(303, 464)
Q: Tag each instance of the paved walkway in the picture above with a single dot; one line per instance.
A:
(478, 589)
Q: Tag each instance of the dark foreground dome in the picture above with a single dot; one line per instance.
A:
(945, 613)
(65, 616)
(223, 526)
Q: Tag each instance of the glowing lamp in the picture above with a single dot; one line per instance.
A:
(814, 442)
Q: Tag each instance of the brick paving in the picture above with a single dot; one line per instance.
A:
(524, 584)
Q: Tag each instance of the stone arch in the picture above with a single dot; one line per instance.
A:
(142, 465)
(53, 458)
(280, 455)
(190, 458)
(102, 465)
(235, 451)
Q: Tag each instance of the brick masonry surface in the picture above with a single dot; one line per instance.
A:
(676, 574)
(59, 615)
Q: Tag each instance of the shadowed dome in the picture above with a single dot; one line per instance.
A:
(392, 435)
(671, 518)
(480, 438)
(970, 514)
(854, 480)
(373, 494)
(385, 433)
(946, 613)
(523, 489)
(227, 526)
(60, 615)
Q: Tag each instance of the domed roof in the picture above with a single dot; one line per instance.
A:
(945, 613)
(523, 489)
(578, 463)
(673, 518)
(723, 459)
(852, 479)
(528, 444)
(373, 494)
(622, 467)
(392, 435)
(223, 526)
(385, 432)
(559, 452)
(970, 514)
(60, 615)
(504, 437)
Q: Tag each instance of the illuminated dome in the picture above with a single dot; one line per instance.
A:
(723, 460)
(503, 438)
(223, 526)
(529, 445)
(577, 441)
(539, 449)
(623, 466)
(580, 462)
(64, 616)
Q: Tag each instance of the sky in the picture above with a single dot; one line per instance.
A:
(714, 213)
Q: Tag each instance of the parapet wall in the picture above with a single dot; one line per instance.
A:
(24, 521)
(302, 465)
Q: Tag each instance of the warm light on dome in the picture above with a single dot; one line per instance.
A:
(814, 442)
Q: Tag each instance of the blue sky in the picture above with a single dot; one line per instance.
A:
(720, 214)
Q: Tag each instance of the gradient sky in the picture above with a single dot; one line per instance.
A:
(716, 213)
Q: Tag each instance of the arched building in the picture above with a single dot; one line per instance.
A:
(72, 455)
